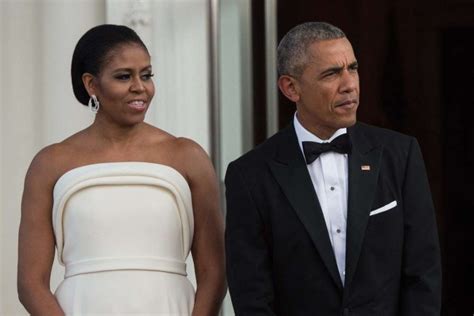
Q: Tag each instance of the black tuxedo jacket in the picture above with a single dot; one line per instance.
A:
(279, 256)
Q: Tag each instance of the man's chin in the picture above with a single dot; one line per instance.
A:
(348, 123)
(352, 123)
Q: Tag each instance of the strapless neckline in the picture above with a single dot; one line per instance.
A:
(102, 165)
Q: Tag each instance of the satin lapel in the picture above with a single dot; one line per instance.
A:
(364, 166)
(291, 173)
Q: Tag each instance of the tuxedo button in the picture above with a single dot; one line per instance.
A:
(332, 188)
(338, 230)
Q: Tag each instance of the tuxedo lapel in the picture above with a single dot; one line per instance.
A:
(364, 166)
(291, 173)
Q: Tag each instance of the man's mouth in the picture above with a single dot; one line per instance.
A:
(349, 103)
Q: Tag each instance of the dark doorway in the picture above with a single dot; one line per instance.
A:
(417, 77)
(458, 168)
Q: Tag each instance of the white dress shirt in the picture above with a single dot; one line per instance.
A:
(329, 174)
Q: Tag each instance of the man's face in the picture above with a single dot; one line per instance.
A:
(328, 89)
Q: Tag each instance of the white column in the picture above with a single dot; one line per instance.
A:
(20, 130)
(271, 66)
(176, 33)
(2, 236)
(181, 64)
(236, 88)
(61, 28)
(62, 114)
(236, 80)
(37, 106)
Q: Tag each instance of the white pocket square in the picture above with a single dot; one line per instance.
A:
(384, 208)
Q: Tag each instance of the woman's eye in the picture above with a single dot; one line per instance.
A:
(147, 76)
(123, 77)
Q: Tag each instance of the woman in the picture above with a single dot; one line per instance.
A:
(123, 202)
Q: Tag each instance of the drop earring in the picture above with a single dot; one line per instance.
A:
(94, 104)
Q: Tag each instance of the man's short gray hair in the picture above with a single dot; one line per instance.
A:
(292, 54)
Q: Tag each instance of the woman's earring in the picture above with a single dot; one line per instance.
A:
(94, 104)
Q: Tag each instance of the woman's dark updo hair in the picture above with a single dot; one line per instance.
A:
(93, 49)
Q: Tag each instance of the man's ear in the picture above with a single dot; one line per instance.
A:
(88, 81)
(289, 87)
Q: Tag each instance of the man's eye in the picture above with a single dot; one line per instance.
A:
(329, 74)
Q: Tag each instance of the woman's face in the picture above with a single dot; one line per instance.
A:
(124, 85)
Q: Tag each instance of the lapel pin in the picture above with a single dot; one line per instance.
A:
(365, 168)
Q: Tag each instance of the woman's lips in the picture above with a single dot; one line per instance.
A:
(138, 105)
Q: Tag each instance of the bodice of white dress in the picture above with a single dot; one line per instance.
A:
(124, 229)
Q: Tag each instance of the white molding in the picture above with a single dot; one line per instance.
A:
(271, 66)
(2, 109)
(135, 14)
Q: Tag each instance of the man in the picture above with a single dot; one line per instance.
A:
(346, 228)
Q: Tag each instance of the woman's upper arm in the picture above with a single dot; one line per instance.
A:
(208, 240)
(36, 236)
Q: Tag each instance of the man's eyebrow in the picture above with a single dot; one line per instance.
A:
(337, 69)
(353, 64)
(334, 69)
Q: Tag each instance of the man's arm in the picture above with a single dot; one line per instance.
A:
(420, 292)
(247, 251)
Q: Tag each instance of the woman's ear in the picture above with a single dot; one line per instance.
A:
(88, 81)
(289, 87)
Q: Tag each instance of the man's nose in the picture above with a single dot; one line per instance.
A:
(349, 81)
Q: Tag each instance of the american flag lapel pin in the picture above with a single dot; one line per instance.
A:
(365, 167)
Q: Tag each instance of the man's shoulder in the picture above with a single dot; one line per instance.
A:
(396, 146)
(381, 136)
(263, 152)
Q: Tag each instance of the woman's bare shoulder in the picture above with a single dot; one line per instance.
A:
(193, 158)
(181, 153)
(157, 135)
(55, 159)
(190, 147)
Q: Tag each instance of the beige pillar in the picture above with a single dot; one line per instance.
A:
(37, 38)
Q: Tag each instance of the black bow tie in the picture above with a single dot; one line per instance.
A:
(312, 150)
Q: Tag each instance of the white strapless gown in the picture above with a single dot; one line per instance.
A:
(123, 231)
